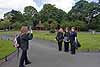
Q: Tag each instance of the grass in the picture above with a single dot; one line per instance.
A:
(6, 48)
(12, 33)
(89, 42)
(44, 35)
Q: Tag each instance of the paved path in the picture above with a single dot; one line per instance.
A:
(44, 54)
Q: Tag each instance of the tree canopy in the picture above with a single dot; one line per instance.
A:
(83, 14)
(51, 12)
(86, 11)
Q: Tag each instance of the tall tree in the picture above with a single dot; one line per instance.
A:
(29, 13)
(14, 17)
(85, 11)
(79, 11)
(51, 12)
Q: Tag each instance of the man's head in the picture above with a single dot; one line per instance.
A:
(73, 29)
(61, 30)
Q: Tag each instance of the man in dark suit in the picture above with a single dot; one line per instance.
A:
(59, 38)
(73, 36)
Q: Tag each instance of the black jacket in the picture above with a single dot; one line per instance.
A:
(59, 36)
(66, 36)
(23, 40)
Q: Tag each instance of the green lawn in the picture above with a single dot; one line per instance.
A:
(5, 48)
(89, 42)
(44, 35)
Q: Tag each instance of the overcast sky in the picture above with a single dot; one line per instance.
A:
(8, 5)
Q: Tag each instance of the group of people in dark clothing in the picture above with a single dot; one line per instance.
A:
(69, 37)
(22, 41)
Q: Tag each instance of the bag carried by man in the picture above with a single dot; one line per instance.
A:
(77, 43)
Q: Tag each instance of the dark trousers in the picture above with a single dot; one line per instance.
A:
(60, 45)
(73, 49)
(66, 46)
(23, 58)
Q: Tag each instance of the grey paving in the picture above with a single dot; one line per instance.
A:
(45, 54)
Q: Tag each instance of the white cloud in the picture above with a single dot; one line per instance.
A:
(6, 6)
(65, 5)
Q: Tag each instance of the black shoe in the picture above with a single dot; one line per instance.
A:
(28, 63)
(60, 50)
(66, 50)
(72, 53)
(21, 66)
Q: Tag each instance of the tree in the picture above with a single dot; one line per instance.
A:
(14, 16)
(50, 25)
(78, 24)
(85, 11)
(79, 11)
(5, 24)
(51, 12)
(30, 14)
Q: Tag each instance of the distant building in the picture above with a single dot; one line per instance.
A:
(40, 26)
